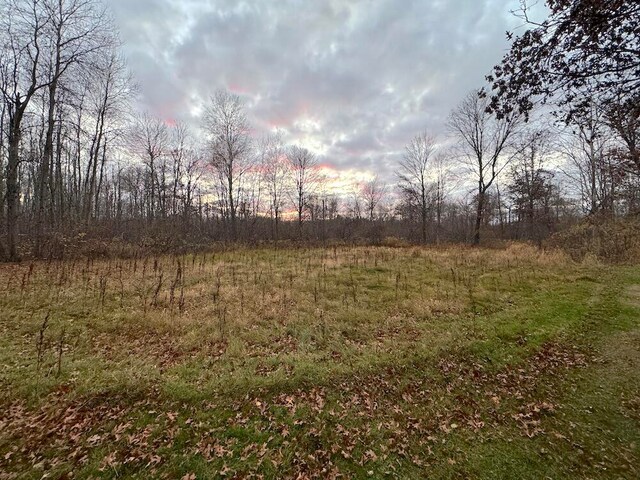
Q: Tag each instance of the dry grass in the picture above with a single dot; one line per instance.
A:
(259, 311)
(253, 341)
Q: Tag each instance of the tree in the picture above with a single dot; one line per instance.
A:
(623, 117)
(413, 176)
(3, 159)
(189, 180)
(186, 171)
(275, 170)
(108, 90)
(227, 127)
(440, 191)
(531, 187)
(372, 193)
(76, 29)
(483, 140)
(584, 49)
(23, 27)
(586, 145)
(150, 140)
(48, 49)
(304, 165)
(178, 151)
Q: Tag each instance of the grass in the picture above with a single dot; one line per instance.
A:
(320, 363)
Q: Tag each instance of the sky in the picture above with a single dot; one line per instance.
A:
(351, 80)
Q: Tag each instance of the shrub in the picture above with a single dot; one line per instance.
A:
(608, 240)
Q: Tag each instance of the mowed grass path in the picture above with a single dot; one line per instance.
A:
(321, 363)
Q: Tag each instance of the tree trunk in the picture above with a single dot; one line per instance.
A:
(232, 211)
(479, 214)
(13, 189)
(58, 191)
(423, 212)
(47, 159)
(2, 169)
(299, 211)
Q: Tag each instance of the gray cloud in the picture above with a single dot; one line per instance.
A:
(355, 79)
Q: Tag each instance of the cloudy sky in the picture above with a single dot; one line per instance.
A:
(352, 80)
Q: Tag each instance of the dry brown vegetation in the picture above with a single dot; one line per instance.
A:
(610, 240)
(296, 363)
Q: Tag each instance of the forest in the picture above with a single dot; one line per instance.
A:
(525, 157)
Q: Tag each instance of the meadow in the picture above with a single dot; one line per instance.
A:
(338, 362)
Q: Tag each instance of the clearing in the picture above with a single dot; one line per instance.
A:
(345, 362)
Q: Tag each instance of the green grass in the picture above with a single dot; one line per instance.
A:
(360, 362)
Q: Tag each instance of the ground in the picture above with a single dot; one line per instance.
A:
(321, 363)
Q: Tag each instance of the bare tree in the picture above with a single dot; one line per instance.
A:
(355, 207)
(413, 176)
(76, 30)
(585, 144)
(108, 92)
(373, 192)
(23, 27)
(178, 152)
(275, 169)
(484, 142)
(442, 188)
(318, 203)
(189, 182)
(150, 141)
(305, 178)
(227, 127)
(530, 188)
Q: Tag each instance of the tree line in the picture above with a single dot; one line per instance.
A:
(553, 137)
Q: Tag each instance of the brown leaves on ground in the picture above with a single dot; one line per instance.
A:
(67, 434)
(71, 429)
(397, 412)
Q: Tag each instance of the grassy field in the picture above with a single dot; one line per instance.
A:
(321, 363)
